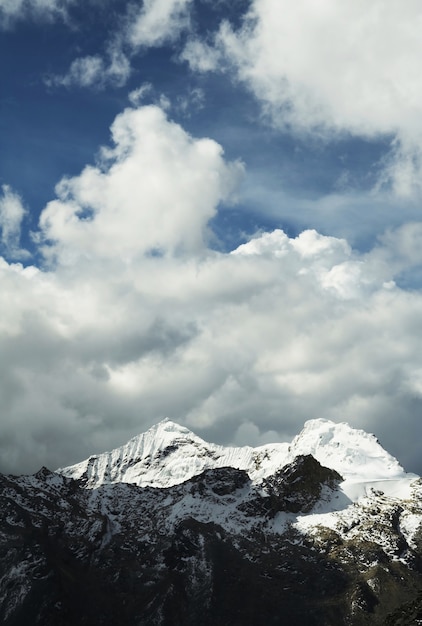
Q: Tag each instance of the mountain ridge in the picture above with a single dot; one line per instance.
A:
(169, 453)
(283, 539)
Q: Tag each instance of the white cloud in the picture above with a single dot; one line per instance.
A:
(332, 68)
(137, 96)
(12, 213)
(201, 56)
(95, 71)
(84, 71)
(159, 21)
(155, 191)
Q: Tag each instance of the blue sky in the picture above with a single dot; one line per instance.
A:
(209, 211)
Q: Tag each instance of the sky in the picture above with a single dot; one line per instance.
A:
(210, 210)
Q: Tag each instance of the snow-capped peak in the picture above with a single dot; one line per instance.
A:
(165, 455)
(349, 451)
(168, 426)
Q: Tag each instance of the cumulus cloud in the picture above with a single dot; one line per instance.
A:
(134, 317)
(153, 192)
(331, 69)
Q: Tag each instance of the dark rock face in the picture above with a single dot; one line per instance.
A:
(205, 552)
(297, 487)
(221, 481)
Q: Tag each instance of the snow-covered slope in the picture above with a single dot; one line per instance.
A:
(169, 454)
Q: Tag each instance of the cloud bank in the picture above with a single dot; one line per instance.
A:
(134, 317)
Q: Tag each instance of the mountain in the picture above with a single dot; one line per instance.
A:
(170, 530)
(169, 454)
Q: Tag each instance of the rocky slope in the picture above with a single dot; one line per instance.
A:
(170, 530)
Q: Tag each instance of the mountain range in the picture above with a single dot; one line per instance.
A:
(169, 530)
